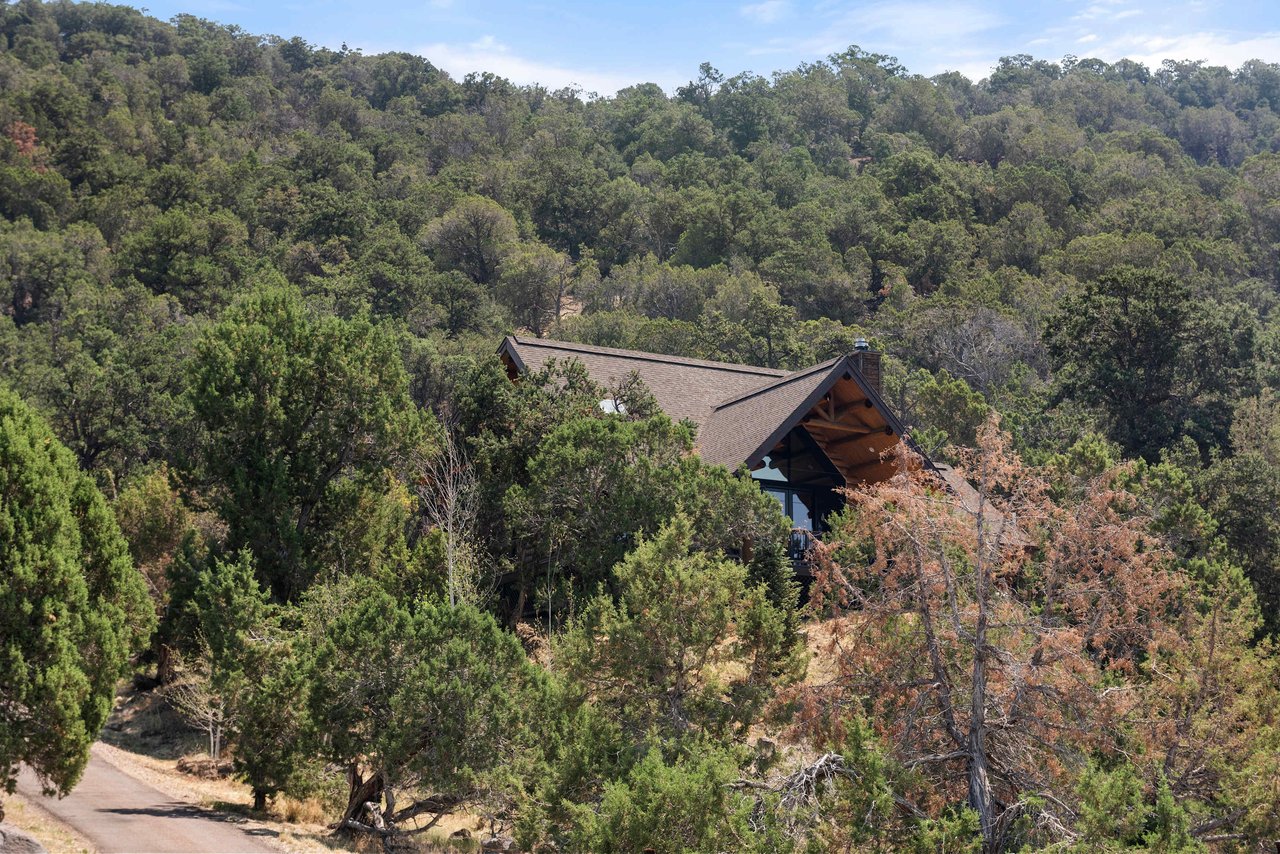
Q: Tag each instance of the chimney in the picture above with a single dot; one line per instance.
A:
(867, 362)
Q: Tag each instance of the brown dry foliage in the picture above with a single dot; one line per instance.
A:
(993, 644)
(23, 136)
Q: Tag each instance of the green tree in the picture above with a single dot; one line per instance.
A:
(253, 672)
(1116, 814)
(682, 806)
(1235, 487)
(1119, 347)
(472, 237)
(941, 409)
(155, 521)
(688, 647)
(659, 685)
(595, 484)
(196, 255)
(41, 268)
(107, 375)
(533, 282)
(747, 322)
(73, 609)
(394, 276)
(420, 697)
(290, 404)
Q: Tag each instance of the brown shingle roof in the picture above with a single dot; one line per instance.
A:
(738, 408)
(684, 388)
(742, 424)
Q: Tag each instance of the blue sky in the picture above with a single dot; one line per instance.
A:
(605, 46)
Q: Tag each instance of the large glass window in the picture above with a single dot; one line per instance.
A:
(797, 504)
(802, 479)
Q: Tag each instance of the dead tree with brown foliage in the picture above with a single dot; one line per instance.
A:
(994, 636)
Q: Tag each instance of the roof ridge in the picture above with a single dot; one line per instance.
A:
(640, 355)
(781, 381)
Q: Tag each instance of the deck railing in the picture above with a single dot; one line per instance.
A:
(798, 549)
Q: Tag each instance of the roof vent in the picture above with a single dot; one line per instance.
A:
(860, 344)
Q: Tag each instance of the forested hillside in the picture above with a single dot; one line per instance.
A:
(255, 287)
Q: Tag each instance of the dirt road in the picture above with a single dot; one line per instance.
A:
(122, 815)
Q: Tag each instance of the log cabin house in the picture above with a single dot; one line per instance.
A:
(802, 435)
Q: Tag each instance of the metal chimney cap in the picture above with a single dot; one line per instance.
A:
(860, 344)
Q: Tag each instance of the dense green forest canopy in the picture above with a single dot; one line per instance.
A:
(255, 287)
(1088, 247)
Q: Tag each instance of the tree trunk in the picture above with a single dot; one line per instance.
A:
(361, 792)
(518, 611)
(259, 800)
(979, 781)
(980, 792)
(449, 562)
(165, 671)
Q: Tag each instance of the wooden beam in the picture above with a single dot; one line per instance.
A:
(837, 417)
(840, 428)
(845, 440)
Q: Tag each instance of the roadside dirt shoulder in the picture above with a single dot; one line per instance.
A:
(41, 825)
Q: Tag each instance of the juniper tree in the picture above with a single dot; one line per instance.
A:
(73, 609)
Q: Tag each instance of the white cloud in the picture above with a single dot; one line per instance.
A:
(1106, 9)
(976, 66)
(926, 22)
(489, 54)
(950, 34)
(217, 7)
(1087, 39)
(1213, 48)
(927, 26)
(765, 12)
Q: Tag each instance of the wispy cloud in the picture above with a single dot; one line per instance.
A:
(952, 35)
(1105, 10)
(766, 12)
(1231, 50)
(217, 8)
(1150, 32)
(925, 21)
(489, 54)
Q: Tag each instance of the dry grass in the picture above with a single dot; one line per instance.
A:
(823, 666)
(145, 738)
(294, 811)
(55, 836)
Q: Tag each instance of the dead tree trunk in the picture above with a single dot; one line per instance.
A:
(360, 792)
(980, 797)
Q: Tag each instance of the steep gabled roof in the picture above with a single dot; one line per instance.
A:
(684, 388)
(742, 411)
(741, 425)
(743, 428)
